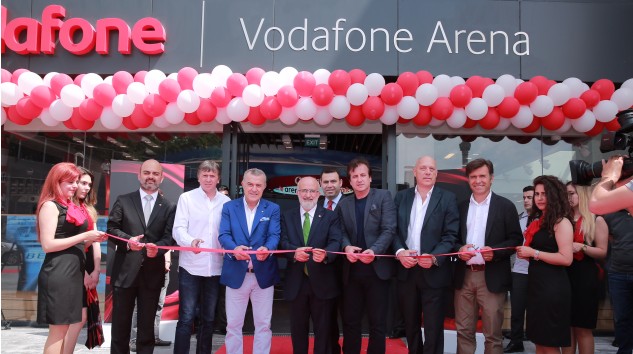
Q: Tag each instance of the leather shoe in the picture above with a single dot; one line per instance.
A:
(397, 333)
(162, 343)
(514, 348)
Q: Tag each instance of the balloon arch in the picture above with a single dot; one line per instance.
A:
(151, 97)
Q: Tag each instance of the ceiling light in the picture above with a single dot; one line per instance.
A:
(449, 155)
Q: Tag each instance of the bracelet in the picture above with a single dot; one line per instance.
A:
(584, 248)
(536, 254)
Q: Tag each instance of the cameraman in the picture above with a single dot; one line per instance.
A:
(605, 199)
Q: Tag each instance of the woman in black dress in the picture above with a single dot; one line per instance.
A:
(548, 246)
(61, 227)
(590, 244)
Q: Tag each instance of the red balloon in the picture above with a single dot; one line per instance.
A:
(206, 111)
(478, 84)
(140, 76)
(613, 125)
(140, 118)
(461, 95)
(403, 121)
(526, 93)
(574, 108)
(221, 97)
(270, 108)
(509, 107)
(424, 77)
(254, 76)
(391, 94)
(304, 83)
(339, 81)
(42, 96)
(185, 78)
(104, 94)
(355, 117)
(357, 76)
(6, 76)
(409, 83)
(423, 117)
(591, 98)
(15, 117)
(287, 96)
(534, 126)
(542, 84)
(255, 117)
(236, 84)
(127, 122)
(596, 130)
(554, 120)
(16, 75)
(154, 106)
(58, 82)
(442, 108)
(69, 124)
(79, 122)
(373, 108)
(27, 109)
(470, 123)
(323, 94)
(121, 80)
(169, 89)
(192, 118)
(491, 119)
(78, 79)
(605, 87)
(90, 110)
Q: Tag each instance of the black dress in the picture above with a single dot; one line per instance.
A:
(585, 292)
(548, 307)
(61, 279)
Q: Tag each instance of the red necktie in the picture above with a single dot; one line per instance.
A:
(329, 204)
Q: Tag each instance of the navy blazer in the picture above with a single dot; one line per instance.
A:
(439, 232)
(264, 232)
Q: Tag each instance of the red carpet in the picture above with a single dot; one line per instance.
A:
(283, 345)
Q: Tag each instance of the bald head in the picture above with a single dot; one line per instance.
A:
(308, 192)
(150, 176)
(425, 172)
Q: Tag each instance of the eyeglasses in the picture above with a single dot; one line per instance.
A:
(306, 191)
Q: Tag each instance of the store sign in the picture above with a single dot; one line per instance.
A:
(312, 142)
(25, 35)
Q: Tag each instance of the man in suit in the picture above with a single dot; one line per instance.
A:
(249, 223)
(311, 283)
(483, 278)
(368, 225)
(428, 224)
(146, 219)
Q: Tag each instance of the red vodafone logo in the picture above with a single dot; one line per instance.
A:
(24, 35)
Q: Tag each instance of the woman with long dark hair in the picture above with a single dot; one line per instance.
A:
(548, 246)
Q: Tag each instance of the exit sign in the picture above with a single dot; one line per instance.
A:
(311, 142)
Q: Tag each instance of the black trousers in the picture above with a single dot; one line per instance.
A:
(122, 309)
(308, 306)
(518, 302)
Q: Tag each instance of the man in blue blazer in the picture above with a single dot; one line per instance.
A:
(311, 283)
(249, 223)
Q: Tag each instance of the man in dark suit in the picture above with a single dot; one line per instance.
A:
(249, 223)
(483, 277)
(311, 282)
(428, 224)
(368, 225)
(146, 219)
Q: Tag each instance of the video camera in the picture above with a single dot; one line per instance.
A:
(582, 173)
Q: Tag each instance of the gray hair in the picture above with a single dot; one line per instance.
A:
(255, 172)
(208, 165)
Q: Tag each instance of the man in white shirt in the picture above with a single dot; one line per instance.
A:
(196, 225)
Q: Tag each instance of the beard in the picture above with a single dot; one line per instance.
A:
(308, 204)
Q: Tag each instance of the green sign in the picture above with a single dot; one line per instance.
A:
(312, 142)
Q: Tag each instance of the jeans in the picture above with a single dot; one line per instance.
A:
(621, 289)
(195, 290)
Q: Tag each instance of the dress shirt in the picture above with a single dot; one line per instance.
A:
(630, 185)
(521, 265)
(250, 215)
(476, 226)
(153, 201)
(416, 221)
(334, 201)
(197, 216)
(310, 212)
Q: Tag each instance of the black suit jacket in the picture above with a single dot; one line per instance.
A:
(439, 232)
(126, 220)
(502, 230)
(325, 233)
(380, 229)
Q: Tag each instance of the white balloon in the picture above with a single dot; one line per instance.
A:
(173, 114)
(408, 107)
(253, 95)
(523, 118)
(628, 84)
(270, 83)
(585, 123)
(443, 84)
(222, 117)
(493, 95)
(559, 93)
(3, 113)
(72, 95)
(122, 106)
(426, 94)
(161, 122)
(288, 116)
(203, 85)
(357, 94)
(339, 107)
(108, 80)
(47, 119)
(287, 76)
(48, 77)
(605, 111)
(305, 108)
(504, 123)
(109, 119)
(173, 76)
(188, 101)
(322, 116)
(390, 115)
(509, 84)
(59, 111)
(623, 97)
(28, 81)
(457, 119)
(89, 82)
(153, 78)
(321, 76)
(374, 83)
(436, 122)
(565, 127)
(222, 73)
(476, 109)
(542, 106)
(237, 110)
(11, 94)
(576, 87)
(457, 80)
(137, 92)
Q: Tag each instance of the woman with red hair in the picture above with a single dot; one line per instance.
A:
(61, 230)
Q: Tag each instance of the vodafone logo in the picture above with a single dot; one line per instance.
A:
(25, 35)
